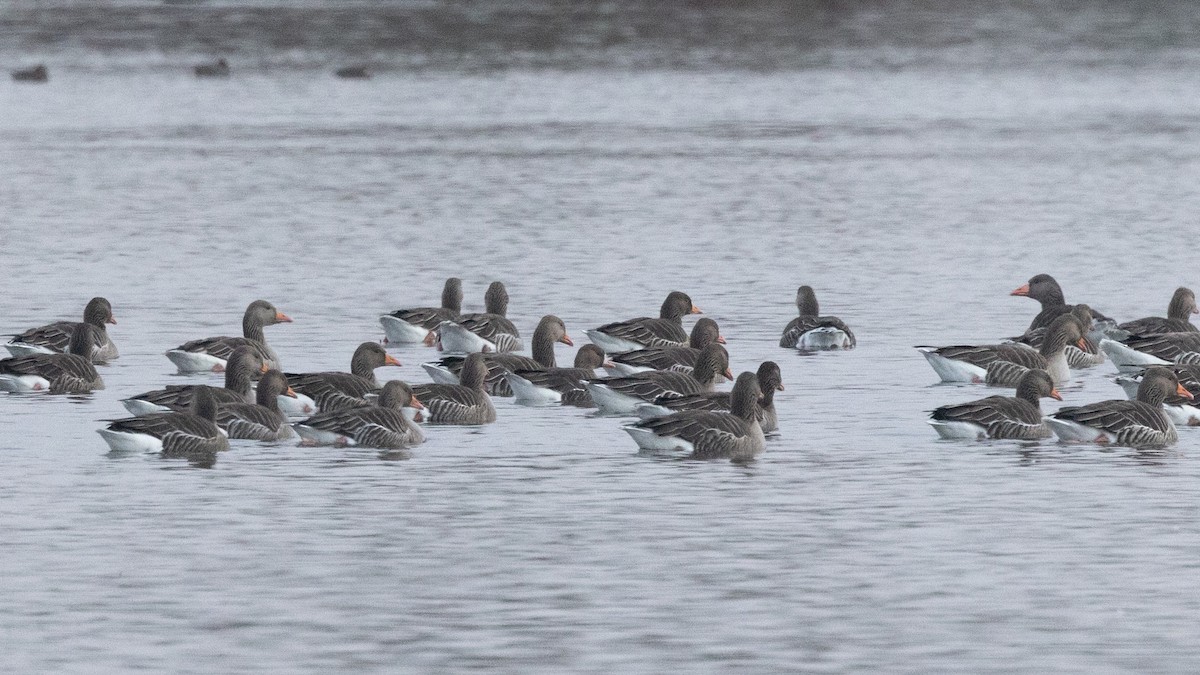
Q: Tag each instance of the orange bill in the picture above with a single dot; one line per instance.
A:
(696, 310)
(779, 386)
(390, 360)
(566, 340)
(721, 340)
(113, 319)
(1023, 290)
(282, 318)
(264, 368)
(416, 403)
(1055, 395)
(1183, 392)
(728, 374)
(290, 393)
(1082, 344)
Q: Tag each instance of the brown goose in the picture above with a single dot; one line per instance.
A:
(487, 332)
(1139, 423)
(1076, 357)
(550, 386)
(211, 354)
(1141, 351)
(463, 403)
(173, 433)
(261, 420)
(411, 326)
(706, 434)
(71, 373)
(334, 390)
(622, 395)
(666, 330)
(55, 338)
(243, 366)
(373, 426)
(1179, 311)
(1015, 417)
(812, 332)
(681, 358)
(1004, 364)
(770, 380)
(549, 331)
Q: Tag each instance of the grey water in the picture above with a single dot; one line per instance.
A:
(913, 162)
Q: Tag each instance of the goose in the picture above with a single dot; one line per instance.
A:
(666, 330)
(1013, 417)
(71, 373)
(1088, 357)
(1182, 411)
(706, 434)
(55, 338)
(622, 395)
(463, 403)
(261, 420)
(353, 73)
(334, 390)
(218, 69)
(551, 386)
(681, 358)
(487, 332)
(38, 73)
(812, 332)
(171, 433)
(1045, 290)
(1139, 423)
(210, 354)
(1179, 311)
(375, 426)
(1004, 364)
(1140, 351)
(770, 380)
(412, 326)
(245, 363)
(549, 331)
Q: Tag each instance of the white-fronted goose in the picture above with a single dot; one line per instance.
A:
(218, 69)
(812, 332)
(38, 73)
(549, 331)
(1141, 351)
(490, 331)
(243, 366)
(335, 390)
(622, 395)
(551, 386)
(1013, 417)
(173, 433)
(1139, 423)
(666, 330)
(1004, 364)
(1179, 312)
(1089, 356)
(1182, 411)
(770, 380)
(463, 403)
(373, 426)
(55, 338)
(211, 354)
(261, 420)
(706, 434)
(681, 358)
(71, 373)
(412, 326)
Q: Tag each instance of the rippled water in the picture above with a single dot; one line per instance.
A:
(914, 198)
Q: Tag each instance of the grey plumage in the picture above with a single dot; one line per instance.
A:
(463, 403)
(71, 373)
(770, 380)
(57, 336)
(429, 317)
(338, 390)
(735, 434)
(261, 420)
(810, 319)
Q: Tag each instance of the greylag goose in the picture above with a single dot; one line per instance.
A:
(550, 386)
(622, 395)
(218, 69)
(261, 420)
(1140, 351)
(1046, 291)
(770, 380)
(243, 366)
(1138, 423)
(1013, 417)
(1077, 357)
(487, 332)
(1179, 311)
(373, 426)
(812, 332)
(707, 434)
(38, 73)
(1004, 364)
(549, 331)
(1182, 411)
(71, 373)
(334, 390)
(681, 358)
(55, 338)
(463, 403)
(411, 326)
(211, 354)
(666, 330)
(172, 433)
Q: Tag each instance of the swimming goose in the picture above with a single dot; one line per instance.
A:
(1015, 417)
(487, 332)
(71, 373)
(410, 326)
(622, 395)
(243, 366)
(1182, 411)
(373, 426)
(550, 386)
(706, 434)
(261, 420)
(218, 69)
(463, 403)
(38, 73)
(172, 433)
(1139, 423)
(55, 338)
(353, 73)
(1004, 364)
(770, 380)
(1180, 309)
(335, 390)
(211, 354)
(1087, 357)
(812, 332)
(1046, 291)
(549, 331)
(1140, 351)
(681, 358)
(666, 330)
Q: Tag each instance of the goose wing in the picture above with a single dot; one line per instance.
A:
(660, 358)
(425, 317)
(647, 331)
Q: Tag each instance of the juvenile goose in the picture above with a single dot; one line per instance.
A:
(549, 331)
(211, 354)
(373, 426)
(463, 403)
(812, 332)
(55, 338)
(666, 330)
(706, 434)
(172, 433)
(71, 373)
(487, 332)
(770, 380)
(1139, 423)
(681, 358)
(1004, 364)
(622, 395)
(1140, 351)
(335, 390)
(261, 420)
(1076, 357)
(1016, 417)
(550, 386)
(411, 326)
(243, 366)
(1179, 311)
